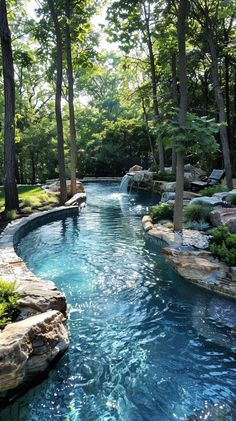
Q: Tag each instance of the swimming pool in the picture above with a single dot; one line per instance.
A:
(144, 344)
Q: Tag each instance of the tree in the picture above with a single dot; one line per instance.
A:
(181, 31)
(11, 194)
(59, 71)
(207, 13)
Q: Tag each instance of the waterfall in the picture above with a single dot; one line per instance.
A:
(124, 184)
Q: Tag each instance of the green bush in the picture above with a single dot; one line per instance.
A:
(197, 225)
(197, 212)
(8, 303)
(166, 177)
(231, 198)
(219, 234)
(162, 211)
(210, 190)
(223, 245)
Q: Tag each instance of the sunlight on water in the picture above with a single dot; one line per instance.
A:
(144, 344)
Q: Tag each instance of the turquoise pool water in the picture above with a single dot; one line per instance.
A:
(144, 344)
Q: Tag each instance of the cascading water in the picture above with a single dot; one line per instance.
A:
(125, 183)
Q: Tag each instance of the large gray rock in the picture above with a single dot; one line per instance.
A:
(164, 186)
(28, 347)
(77, 200)
(211, 201)
(202, 269)
(225, 216)
(55, 187)
(135, 168)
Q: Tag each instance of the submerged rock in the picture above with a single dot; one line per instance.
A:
(28, 347)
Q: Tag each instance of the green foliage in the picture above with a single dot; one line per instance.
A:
(166, 177)
(223, 245)
(197, 212)
(231, 198)
(198, 135)
(162, 211)
(12, 215)
(219, 234)
(8, 303)
(210, 190)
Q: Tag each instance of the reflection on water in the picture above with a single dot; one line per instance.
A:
(144, 344)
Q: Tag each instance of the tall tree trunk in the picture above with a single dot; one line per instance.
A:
(148, 131)
(221, 107)
(154, 85)
(73, 145)
(234, 124)
(60, 135)
(11, 194)
(181, 30)
(175, 98)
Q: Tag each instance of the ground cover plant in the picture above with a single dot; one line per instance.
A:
(210, 190)
(223, 245)
(198, 212)
(32, 197)
(8, 303)
(162, 211)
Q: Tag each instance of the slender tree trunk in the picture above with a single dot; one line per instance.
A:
(221, 107)
(175, 98)
(11, 194)
(234, 123)
(60, 135)
(181, 30)
(70, 76)
(148, 132)
(154, 86)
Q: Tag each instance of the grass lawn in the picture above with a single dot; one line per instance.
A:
(32, 196)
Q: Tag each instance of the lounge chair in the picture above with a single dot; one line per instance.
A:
(215, 178)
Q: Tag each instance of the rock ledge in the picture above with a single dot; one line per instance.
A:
(28, 346)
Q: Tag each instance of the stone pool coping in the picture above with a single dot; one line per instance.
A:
(29, 345)
(195, 265)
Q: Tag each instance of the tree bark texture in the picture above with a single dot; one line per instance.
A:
(73, 145)
(221, 107)
(10, 187)
(154, 87)
(60, 135)
(175, 98)
(148, 132)
(181, 30)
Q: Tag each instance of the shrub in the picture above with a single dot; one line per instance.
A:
(8, 303)
(27, 210)
(219, 234)
(197, 212)
(162, 211)
(166, 177)
(223, 245)
(12, 214)
(210, 190)
(231, 198)
(200, 225)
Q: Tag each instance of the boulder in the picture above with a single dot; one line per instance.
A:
(224, 216)
(224, 194)
(147, 226)
(146, 218)
(188, 195)
(197, 267)
(164, 186)
(28, 347)
(77, 199)
(211, 201)
(135, 168)
(55, 187)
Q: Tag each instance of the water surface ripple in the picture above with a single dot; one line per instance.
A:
(144, 344)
